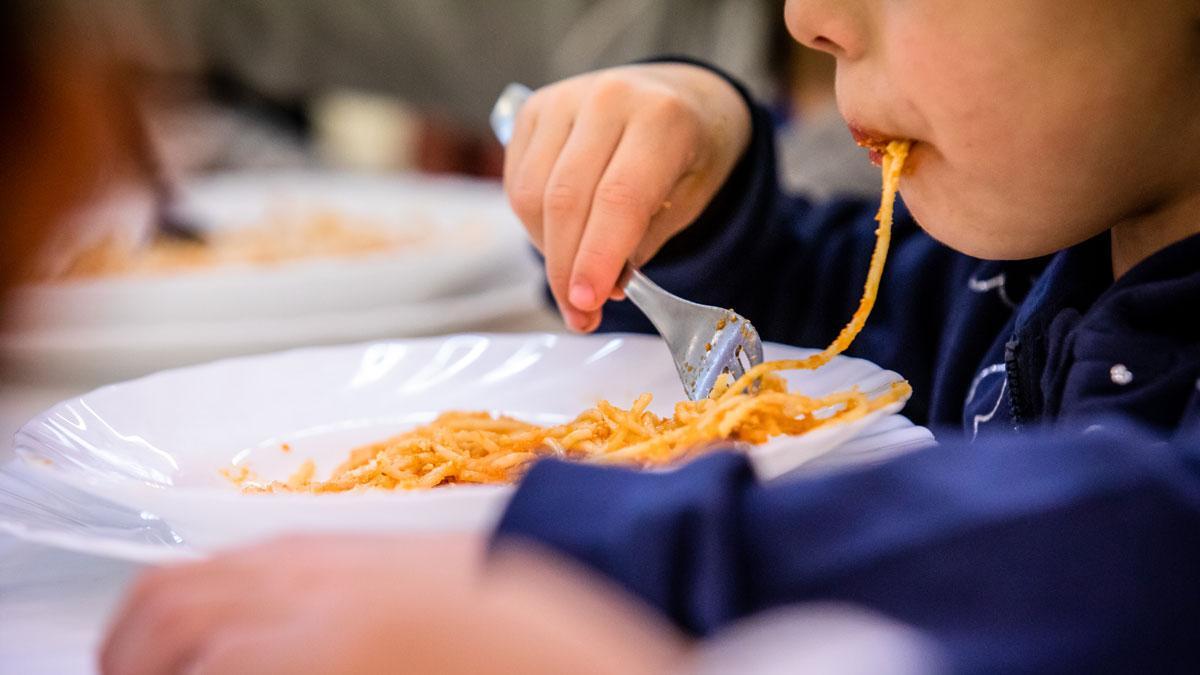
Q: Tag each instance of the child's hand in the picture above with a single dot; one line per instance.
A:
(377, 604)
(606, 167)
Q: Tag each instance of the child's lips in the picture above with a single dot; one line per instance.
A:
(875, 142)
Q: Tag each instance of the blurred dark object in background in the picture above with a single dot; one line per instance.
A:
(405, 85)
(450, 57)
(397, 84)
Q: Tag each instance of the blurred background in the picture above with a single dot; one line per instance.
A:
(285, 173)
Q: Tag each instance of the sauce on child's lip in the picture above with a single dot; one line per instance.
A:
(875, 142)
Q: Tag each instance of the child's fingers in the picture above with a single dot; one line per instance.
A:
(517, 148)
(542, 128)
(522, 134)
(527, 188)
(639, 178)
(568, 198)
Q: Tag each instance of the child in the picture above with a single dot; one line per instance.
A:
(1054, 141)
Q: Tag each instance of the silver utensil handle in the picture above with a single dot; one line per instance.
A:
(642, 292)
(504, 113)
(656, 303)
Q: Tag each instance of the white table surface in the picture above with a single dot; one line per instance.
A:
(54, 604)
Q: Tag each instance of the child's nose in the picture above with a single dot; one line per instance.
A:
(834, 26)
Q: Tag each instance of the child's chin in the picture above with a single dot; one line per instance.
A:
(987, 246)
(972, 232)
(996, 243)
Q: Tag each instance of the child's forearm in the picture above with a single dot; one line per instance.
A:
(1022, 554)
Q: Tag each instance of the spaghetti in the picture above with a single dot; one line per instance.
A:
(464, 447)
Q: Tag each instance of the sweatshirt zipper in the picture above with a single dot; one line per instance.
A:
(1017, 394)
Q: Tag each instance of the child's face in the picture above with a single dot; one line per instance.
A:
(1038, 123)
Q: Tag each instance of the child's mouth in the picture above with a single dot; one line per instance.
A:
(874, 142)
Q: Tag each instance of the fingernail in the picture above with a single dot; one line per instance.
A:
(582, 296)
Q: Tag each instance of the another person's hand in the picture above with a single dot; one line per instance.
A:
(373, 604)
(606, 167)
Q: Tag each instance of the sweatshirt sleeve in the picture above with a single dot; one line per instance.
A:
(1031, 554)
(796, 268)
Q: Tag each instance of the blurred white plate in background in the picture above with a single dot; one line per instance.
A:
(464, 232)
(154, 447)
(107, 353)
(471, 266)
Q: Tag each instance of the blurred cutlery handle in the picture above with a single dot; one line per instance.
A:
(504, 113)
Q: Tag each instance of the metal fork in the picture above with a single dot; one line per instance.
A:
(705, 341)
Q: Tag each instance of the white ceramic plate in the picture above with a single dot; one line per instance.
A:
(470, 268)
(154, 446)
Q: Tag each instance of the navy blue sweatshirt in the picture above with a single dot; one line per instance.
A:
(1055, 529)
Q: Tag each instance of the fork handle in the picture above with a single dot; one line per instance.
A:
(655, 302)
